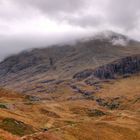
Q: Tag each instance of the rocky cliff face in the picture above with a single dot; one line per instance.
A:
(127, 65)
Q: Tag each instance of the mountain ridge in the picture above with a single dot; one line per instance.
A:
(62, 62)
(86, 90)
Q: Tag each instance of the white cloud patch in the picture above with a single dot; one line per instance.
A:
(31, 23)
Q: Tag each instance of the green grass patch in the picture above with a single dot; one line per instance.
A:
(3, 106)
(16, 127)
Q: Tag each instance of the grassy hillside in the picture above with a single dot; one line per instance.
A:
(77, 118)
(84, 91)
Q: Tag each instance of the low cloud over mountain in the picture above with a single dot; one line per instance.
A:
(35, 23)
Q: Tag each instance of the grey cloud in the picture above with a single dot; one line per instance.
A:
(13, 44)
(17, 18)
(120, 13)
(11, 10)
(85, 20)
(53, 6)
(124, 13)
(71, 11)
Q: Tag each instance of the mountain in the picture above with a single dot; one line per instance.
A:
(78, 91)
(63, 61)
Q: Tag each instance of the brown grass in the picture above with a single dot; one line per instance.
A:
(69, 119)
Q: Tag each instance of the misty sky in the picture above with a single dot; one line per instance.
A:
(35, 23)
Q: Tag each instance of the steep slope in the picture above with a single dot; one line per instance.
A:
(85, 91)
(62, 62)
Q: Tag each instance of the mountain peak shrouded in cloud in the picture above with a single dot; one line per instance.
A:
(114, 38)
(27, 24)
(69, 69)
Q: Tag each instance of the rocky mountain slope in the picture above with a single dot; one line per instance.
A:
(64, 61)
(88, 90)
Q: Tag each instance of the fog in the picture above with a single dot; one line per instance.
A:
(26, 24)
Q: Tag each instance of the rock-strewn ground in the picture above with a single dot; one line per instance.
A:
(75, 116)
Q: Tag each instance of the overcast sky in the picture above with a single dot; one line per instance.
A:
(35, 23)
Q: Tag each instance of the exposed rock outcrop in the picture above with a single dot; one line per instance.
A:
(95, 113)
(124, 66)
(110, 104)
(83, 92)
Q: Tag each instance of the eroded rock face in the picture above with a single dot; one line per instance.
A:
(95, 113)
(112, 104)
(124, 66)
(79, 90)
